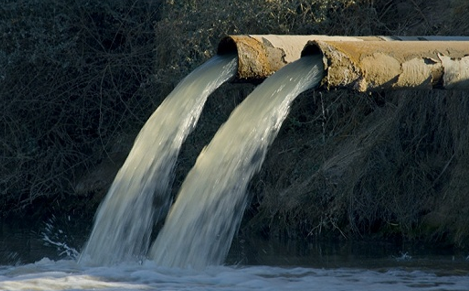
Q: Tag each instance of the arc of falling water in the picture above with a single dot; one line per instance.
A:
(140, 192)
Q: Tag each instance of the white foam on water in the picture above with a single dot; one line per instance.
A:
(68, 275)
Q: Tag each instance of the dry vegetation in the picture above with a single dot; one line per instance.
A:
(79, 78)
(73, 79)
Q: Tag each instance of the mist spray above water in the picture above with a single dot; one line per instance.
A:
(140, 193)
(203, 220)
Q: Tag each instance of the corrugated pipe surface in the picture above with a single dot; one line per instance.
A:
(259, 56)
(377, 65)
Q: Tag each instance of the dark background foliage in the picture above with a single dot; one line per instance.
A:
(79, 78)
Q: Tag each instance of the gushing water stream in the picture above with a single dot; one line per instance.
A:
(139, 195)
(200, 225)
(205, 216)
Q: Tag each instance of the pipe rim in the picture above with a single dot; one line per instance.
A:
(227, 45)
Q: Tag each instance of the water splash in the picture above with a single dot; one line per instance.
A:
(139, 195)
(201, 224)
(56, 234)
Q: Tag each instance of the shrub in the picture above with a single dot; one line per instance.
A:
(73, 77)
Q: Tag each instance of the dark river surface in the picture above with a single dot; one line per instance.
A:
(43, 258)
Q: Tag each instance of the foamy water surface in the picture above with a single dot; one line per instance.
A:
(252, 264)
(68, 275)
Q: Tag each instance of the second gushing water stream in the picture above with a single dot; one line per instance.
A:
(206, 214)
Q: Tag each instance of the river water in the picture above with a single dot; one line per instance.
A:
(45, 259)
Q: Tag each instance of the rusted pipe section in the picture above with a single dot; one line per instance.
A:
(377, 65)
(259, 56)
(425, 38)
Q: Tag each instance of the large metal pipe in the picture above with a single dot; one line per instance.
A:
(259, 56)
(376, 65)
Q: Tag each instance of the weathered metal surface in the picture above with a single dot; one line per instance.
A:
(376, 65)
(259, 56)
(363, 63)
(424, 38)
(456, 72)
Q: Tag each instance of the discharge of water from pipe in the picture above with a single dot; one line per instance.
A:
(139, 195)
(206, 214)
